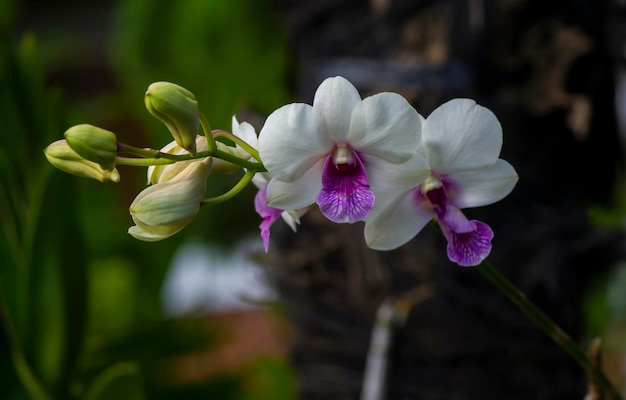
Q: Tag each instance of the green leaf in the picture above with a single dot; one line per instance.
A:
(120, 382)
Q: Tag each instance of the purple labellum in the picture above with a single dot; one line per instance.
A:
(269, 215)
(469, 248)
(345, 195)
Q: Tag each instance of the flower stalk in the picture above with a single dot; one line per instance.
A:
(562, 339)
(148, 156)
(245, 180)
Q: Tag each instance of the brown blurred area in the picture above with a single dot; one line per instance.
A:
(547, 70)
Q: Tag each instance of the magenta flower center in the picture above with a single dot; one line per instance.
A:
(345, 195)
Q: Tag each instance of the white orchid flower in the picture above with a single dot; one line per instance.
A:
(328, 153)
(247, 133)
(461, 142)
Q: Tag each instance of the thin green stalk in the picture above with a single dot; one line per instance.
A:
(142, 162)
(32, 385)
(157, 154)
(550, 328)
(146, 157)
(206, 127)
(233, 191)
(245, 146)
(250, 165)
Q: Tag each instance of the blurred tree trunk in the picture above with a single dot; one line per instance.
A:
(545, 70)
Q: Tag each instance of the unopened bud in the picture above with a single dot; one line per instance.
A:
(177, 108)
(61, 155)
(162, 210)
(93, 144)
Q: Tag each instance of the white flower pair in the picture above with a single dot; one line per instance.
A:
(377, 160)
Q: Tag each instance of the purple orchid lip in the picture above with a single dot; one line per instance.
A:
(269, 215)
(469, 248)
(469, 242)
(345, 195)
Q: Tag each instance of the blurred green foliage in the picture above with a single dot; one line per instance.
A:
(80, 299)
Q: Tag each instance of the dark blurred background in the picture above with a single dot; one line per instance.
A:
(95, 314)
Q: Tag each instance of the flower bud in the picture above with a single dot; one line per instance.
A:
(93, 144)
(63, 157)
(177, 108)
(162, 210)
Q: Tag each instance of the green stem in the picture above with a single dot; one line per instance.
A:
(32, 385)
(549, 327)
(148, 157)
(206, 127)
(123, 148)
(250, 165)
(233, 191)
(142, 162)
(245, 146)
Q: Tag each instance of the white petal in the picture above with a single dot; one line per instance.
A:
(259, 179)
(292, 140)
(245, 131)
(386, 126)
(383, 175)
(394, 221)
(298, 193)
(234, 124)
(335, 99)
(461, 135)
(291, 219)
(483, 186)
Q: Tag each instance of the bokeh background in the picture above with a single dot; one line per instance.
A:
(92, 313)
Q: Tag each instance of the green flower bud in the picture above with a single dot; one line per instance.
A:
(177, 108)
(93, 144)
(63, 157)
(162, 210)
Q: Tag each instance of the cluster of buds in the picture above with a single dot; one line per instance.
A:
(86, 151)
(374, 160)
(177, 173)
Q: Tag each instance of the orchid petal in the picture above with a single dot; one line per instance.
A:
(455, 220)
(245, 132)
(345, 196)
(269, 215)
(469, 248)
(396, 219)
(335, 99)
(291, 218)
(292, 140)
(298, 193)
(461, 135)
(385, 126)
(260, 179)
(481, 187)
(383, 175)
